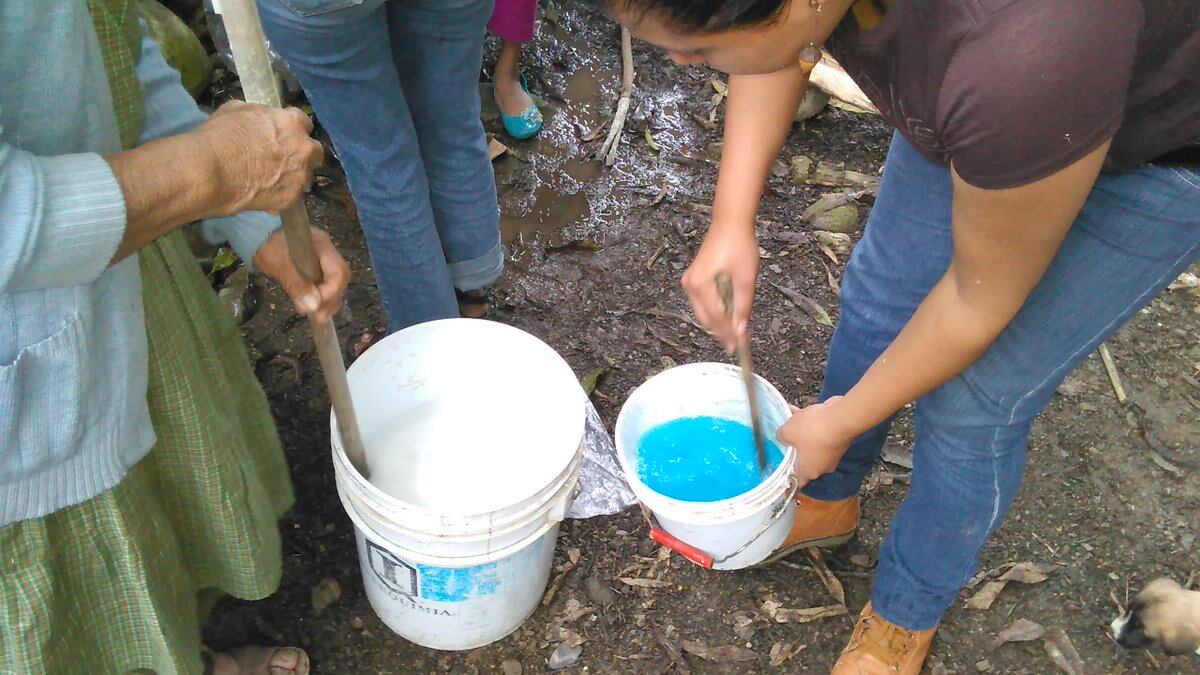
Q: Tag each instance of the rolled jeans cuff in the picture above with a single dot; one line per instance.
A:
(470, 275)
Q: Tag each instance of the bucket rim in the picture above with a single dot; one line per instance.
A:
(424, 558)
(459, 529)
(363, 484)
(731, 508)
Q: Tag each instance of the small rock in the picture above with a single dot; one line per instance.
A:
(939, 668)
(814, 102)
(511, 667)
(599, 593)
(900, 455)
(324, 594)
(564, 656)
(801, 167)
(647, 547)
(842, 219)
(983, 666)
(1071, 387)
(356, 623)
(860, 560)
(1186, 541)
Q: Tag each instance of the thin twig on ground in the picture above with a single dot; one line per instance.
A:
(608, 150)
(1115, 378)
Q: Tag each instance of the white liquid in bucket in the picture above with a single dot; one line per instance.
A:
(473, 432)
(447, 457)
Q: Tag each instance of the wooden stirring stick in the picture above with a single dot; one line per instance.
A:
(725, 290)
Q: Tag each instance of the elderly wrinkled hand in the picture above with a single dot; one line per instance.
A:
(263, 156)
(321, 302)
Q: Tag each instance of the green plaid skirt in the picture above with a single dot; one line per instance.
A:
(114, 584)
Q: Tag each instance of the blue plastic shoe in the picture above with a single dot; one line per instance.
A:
(526, 124)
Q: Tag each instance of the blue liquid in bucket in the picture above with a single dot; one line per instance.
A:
(702, 459)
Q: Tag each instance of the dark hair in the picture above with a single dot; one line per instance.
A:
(708, 15)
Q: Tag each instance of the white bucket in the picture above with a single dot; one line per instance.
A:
(737, 532)
(474, 434)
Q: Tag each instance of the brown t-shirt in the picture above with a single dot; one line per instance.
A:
(1011, 91)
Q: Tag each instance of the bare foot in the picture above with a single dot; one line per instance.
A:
(259, 661)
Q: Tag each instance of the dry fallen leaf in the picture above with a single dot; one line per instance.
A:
(556, 633)
(743, 625)
(674, 652)
(574, 611)
(496, 148)
(834, 286)
(825, 174)
(573, 554)
(1024, 572)
(801, 167)
(650, 142)
(779, 614)
(833, 244)
(644, 583)
(589, 381)
(721, 654)
(832, 583)
(983, 574)
(1062, 652)
(808, 614)
(1028, 573)
(812, 307)
(1185, 280)
(782, 651)
(984, 598)
(1021, 630)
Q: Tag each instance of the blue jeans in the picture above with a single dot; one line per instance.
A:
(395, 83)
(1137, 232)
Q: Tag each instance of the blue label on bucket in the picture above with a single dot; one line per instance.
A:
(427, 582)
(450, 584)
(702, 459)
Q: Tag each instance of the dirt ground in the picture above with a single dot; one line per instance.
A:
(595, 258)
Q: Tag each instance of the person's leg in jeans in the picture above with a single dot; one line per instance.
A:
(1136, 233)
(438, 51)
(344, 60)
(905, 249)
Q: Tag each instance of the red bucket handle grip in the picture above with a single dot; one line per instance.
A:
(687, 551)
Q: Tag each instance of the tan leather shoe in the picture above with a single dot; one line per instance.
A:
(880, 647)
(819, 524)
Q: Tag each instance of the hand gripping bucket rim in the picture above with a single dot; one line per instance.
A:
(705, 512)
